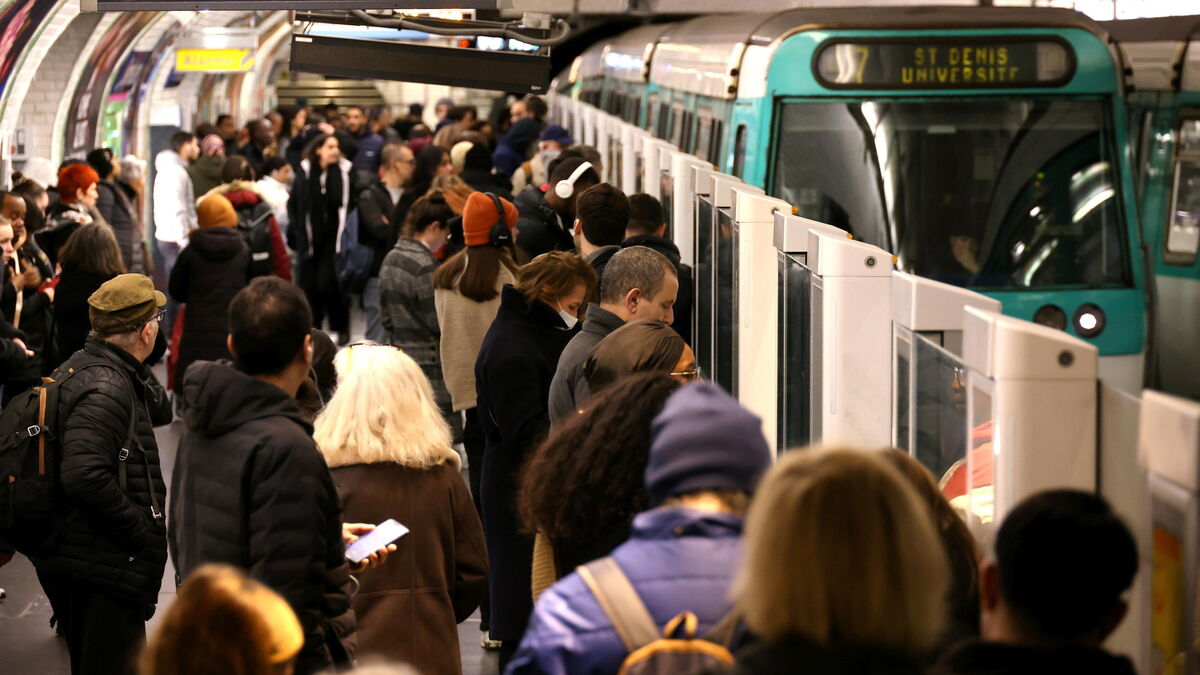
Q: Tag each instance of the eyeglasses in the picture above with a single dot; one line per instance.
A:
(693, 374)
(158, 316)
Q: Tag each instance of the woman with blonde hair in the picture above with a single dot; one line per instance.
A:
(224, 622)
(844, 569)
(389, 450)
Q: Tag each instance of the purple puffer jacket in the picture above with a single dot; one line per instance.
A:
(678, 559)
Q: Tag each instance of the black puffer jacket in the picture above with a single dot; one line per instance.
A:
(683, 301)
(252, 490)
(116, 206)
(104, 535)
(209, 272)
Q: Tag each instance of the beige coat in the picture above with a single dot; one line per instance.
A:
(463, 323)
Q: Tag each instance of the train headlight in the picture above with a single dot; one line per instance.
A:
(1089, 320)
(1052, 316)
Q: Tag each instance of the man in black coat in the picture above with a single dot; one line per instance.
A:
(104, 566)
(647, 228)
(382, 208)
(547, 219)
(280, 519)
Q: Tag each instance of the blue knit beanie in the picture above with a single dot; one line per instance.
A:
(704, 440)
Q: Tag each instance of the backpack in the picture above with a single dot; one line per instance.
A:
(353, 259)
(254, 224)
(29, 462)
(652, 653)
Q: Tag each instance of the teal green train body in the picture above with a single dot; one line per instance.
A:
(1022, 188)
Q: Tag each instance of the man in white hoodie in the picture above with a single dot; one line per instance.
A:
(174, 208)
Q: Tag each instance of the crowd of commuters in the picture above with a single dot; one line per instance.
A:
(526, 324)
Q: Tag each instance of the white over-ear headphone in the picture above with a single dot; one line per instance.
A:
(566, 188)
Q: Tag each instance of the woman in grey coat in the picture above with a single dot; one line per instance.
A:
(406, 289)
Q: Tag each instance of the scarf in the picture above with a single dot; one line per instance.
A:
(326, 204)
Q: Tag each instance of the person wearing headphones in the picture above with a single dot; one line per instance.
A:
(548, 219)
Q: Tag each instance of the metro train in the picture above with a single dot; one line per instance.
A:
(985, 147)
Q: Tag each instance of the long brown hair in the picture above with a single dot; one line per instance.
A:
(473, 271)
(556, 273)
(93, 249)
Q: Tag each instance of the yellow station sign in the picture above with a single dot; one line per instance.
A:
(214, 60)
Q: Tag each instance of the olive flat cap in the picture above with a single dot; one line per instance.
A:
(123, 304)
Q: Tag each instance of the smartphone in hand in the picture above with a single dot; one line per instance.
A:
(384, 533)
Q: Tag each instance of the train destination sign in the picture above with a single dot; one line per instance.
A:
(944, 63)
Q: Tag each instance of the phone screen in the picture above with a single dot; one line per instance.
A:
(384, 533)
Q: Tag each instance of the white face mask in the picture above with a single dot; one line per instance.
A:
(567, 317)
(549, 155)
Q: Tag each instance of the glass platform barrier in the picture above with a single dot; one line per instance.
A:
(756, 304)
(604, 125)
(704, 186)
(681, 202)
(724, 264)
(798, 409)
(929, 378)
(1031, 417)
(1169, 440)
(631, 139)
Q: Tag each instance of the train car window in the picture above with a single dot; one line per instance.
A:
(678, 117)
(1183, 226)
(664, 121)
(704, 127)
(685, 142)
(1142, 128)
(739, 152)
(652, 113)
(714, 155)
(987, 193)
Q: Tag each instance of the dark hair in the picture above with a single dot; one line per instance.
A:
(180, 139)
(588, 477)
(562, 170)
(273, 164)
(459, 112)
(638, 347)
(537, 107)
(428, 161)
(645, 214)
(204, 129)
(92, 249)
(359, 108)
(236, 167)
(100, 159)
(430, 209)
(583, 152)
(29, 190)
(268, 321)
(222, 117)
(416, 109)
(1064, 560)
(961, 551)
(478, 280)
(603, 213)
(310, 150)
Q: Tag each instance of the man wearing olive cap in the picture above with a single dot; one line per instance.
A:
(103, 570)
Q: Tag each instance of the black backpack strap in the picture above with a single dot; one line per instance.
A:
(131, 440)
(621, 602)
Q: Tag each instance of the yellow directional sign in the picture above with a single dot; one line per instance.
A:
(214, 60)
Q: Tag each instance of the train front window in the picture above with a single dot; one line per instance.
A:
(989, 193)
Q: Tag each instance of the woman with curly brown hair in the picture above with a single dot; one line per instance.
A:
(585, 483)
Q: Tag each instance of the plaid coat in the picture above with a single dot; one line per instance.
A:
(409, 315)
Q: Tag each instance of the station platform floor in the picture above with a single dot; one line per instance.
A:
(29, 646)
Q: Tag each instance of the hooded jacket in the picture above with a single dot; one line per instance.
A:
(540, 229)
(978, 657)
(252, 490)
(116, 206)
(677, 559)
(683, 300)
(174, 205)
(251, 204)
(209, 272)
(104, 535)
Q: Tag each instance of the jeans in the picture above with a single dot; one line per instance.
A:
(373, 309)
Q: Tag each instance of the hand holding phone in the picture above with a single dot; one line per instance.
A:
(375, 540)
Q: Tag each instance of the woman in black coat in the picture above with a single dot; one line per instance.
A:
(90, 257)
(323, 195)
(516, 363)
(210, 271)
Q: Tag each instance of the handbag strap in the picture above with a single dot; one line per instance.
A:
(621, 602)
